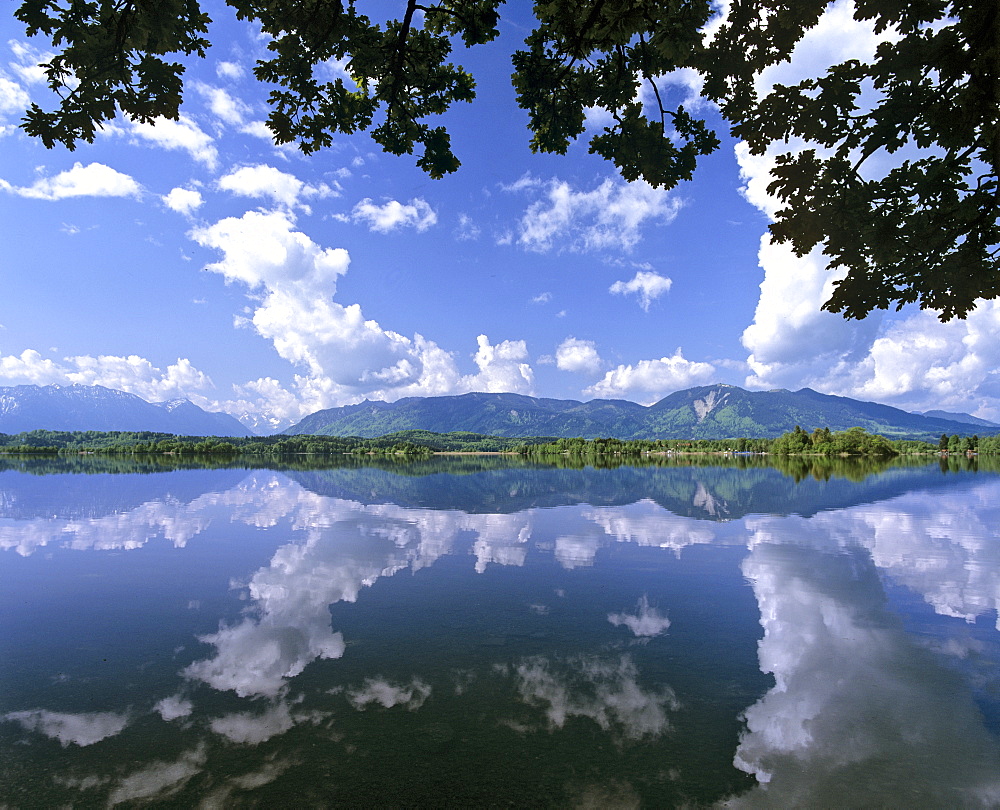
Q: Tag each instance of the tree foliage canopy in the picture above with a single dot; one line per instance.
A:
(899, 180)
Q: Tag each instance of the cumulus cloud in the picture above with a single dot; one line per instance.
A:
(133, 374)
(183, 200)
(183, 134)
(266, 181)
(646, 284)
(502, 368)
(646, 623)
(71, 729)
(93, 180)
(651, 380)
(578, 355)
(391, 215)
(264, 405)
(345, 357)
(921, 363)
(343, 352)
(290, 626)
(263, 250)
(910, 360)
(117, 530)
(608, 217)
(174, 707)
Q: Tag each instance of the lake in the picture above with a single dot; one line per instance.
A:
(489, 633)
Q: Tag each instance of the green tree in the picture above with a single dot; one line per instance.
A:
(922, 229)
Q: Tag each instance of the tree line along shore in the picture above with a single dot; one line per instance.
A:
(422, 444)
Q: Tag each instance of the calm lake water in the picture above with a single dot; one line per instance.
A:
(488, 634)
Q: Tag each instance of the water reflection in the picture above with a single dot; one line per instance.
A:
(851, 688)
(609, 619)
(606, 691)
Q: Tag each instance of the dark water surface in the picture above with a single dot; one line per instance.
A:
(499, 636)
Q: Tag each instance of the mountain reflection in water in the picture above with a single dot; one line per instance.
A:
(626, 637)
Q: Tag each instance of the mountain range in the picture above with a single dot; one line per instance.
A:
(707, 412)
(94, 407)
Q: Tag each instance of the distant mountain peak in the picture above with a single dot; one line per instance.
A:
(964, 418)
(95, 407)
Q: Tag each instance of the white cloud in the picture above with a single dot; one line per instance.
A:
(605, 691)
(836, 38)
(790, 336)
(379, 690)
(524, 182)
(182, 134)
(647, 623)
(93, 180)
(256, 658)
(417, 213)
(29, 62)
(230, 70)
(226, 107)
(160, 779)
(651, 380)
(609, 217)
(501, 368)
(264, 405)
(183, 200)
(334, 342)
(266, 181)
(542, 298)
(467, 230)
(75, 729)
(247, 728)
(646, 523)
(174, 707)
(578, 355)
(133, 374)
(646, 284)
(258, 129)
(686, 79)
(139, 376)
(262, 250)
(839, 659)
(345, 357)
(14, 99)
(30, 368)
(910, 360)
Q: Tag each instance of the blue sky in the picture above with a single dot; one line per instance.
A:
(197, 259)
